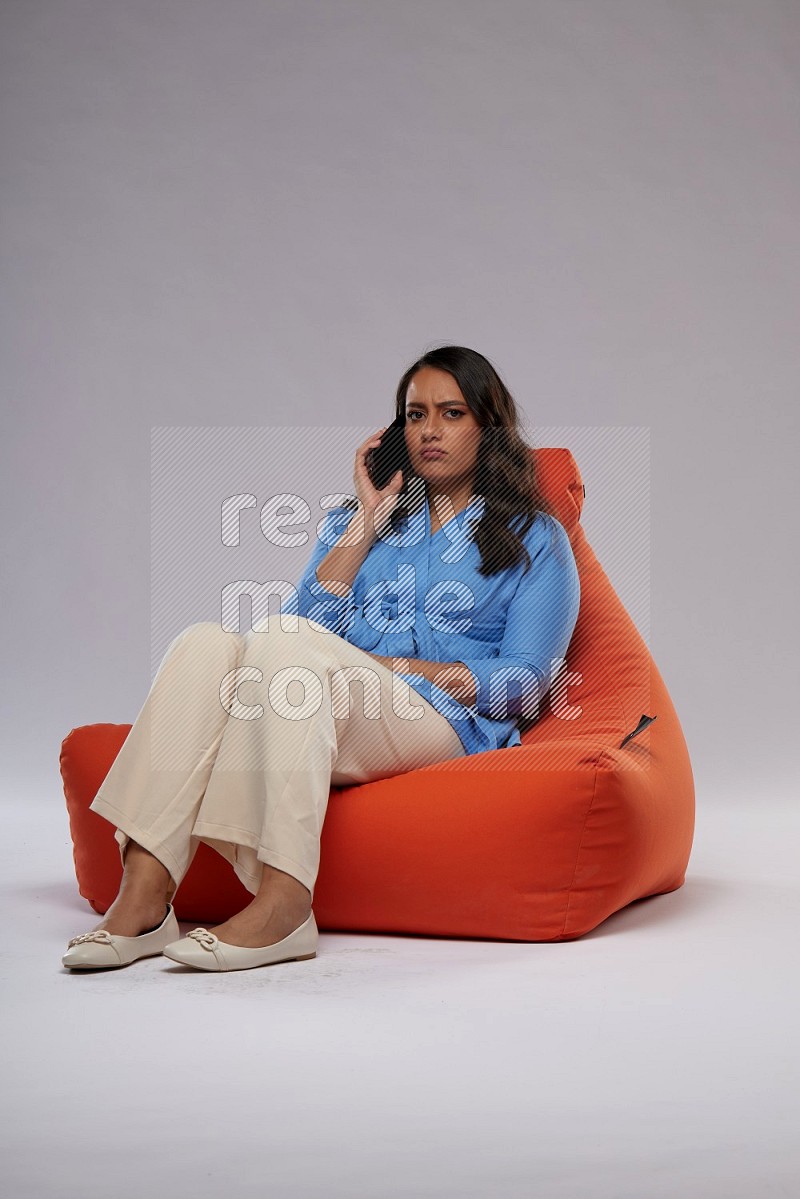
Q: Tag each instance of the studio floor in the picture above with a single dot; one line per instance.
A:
(656, 1057)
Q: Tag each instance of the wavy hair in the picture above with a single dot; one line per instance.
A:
(505, 475)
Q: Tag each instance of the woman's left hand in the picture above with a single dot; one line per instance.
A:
(387, 662)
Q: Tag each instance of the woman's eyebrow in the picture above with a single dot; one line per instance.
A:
(439, 404)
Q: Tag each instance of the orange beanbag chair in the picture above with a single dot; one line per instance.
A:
(538, 842)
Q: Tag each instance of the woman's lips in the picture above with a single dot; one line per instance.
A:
(432, 453)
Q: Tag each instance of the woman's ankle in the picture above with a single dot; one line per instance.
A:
(144, 873)
(280, 889)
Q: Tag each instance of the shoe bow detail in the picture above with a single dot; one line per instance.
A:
(99, 934)
(204, 937)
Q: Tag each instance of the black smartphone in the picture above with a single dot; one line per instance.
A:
(390, 456)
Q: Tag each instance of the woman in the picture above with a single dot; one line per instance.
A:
(444, 590)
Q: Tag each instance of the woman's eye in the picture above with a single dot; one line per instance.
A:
(452, 413)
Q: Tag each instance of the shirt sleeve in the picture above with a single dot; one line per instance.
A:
(339, 613)
(541, 619)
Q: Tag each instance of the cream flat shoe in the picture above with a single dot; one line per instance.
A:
(100, 949)
(204, 950)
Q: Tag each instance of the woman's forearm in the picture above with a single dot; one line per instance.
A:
(338, 569)
(453, 677)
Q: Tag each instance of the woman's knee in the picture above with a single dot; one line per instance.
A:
(289, 639)
(207, 635)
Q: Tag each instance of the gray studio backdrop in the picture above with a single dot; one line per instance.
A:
(254, 215)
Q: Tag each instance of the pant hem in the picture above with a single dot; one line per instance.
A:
(269, 856)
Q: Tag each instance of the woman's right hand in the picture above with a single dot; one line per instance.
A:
(370, 498)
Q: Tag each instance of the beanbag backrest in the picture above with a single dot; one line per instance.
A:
(606, 649)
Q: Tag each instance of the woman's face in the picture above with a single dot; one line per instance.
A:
(442, 435)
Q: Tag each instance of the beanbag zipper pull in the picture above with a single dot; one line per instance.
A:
(643, 723)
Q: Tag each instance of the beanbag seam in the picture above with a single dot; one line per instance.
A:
(599, 756)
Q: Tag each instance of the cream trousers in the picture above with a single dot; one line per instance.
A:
(243, 734)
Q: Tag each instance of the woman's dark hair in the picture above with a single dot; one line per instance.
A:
(506, 474)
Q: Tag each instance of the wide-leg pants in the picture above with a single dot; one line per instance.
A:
(242, 735)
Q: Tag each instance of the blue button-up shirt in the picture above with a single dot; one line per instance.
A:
(418, 594)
